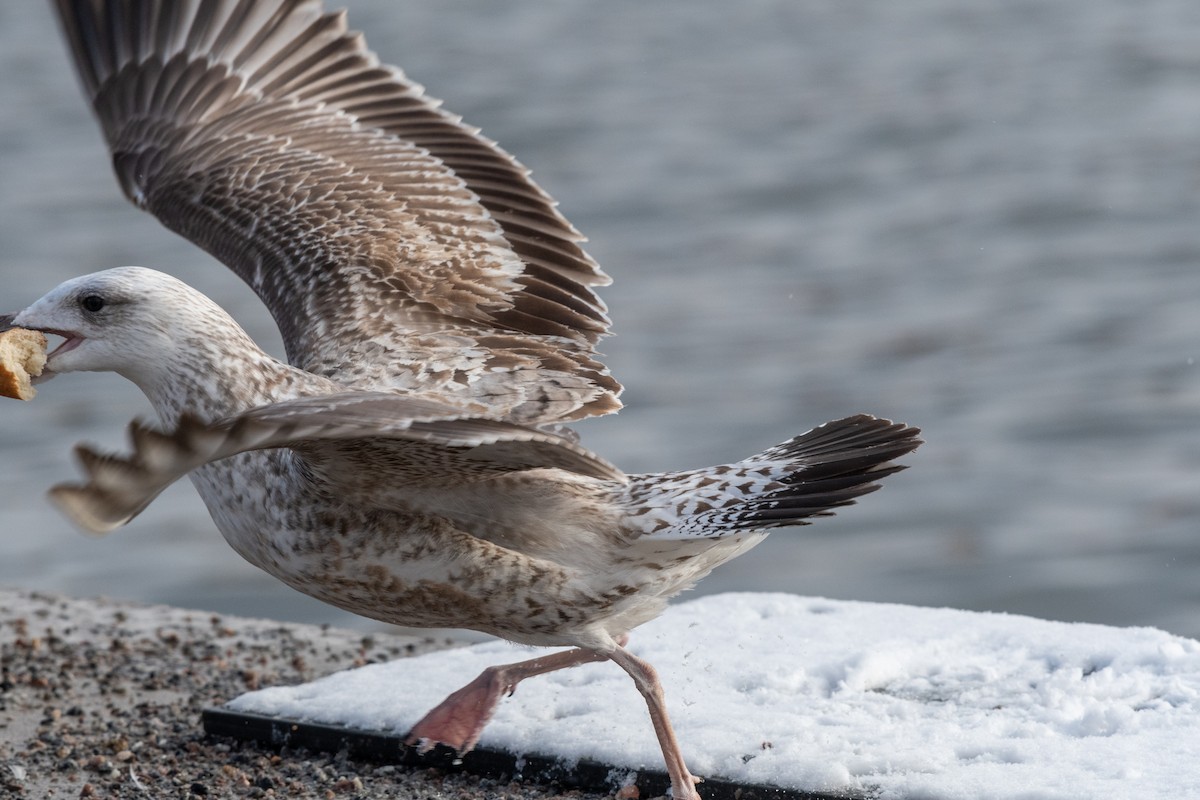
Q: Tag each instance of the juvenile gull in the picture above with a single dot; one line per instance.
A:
(408, 463)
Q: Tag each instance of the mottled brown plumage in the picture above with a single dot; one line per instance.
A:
(395, 246)
(409, 464)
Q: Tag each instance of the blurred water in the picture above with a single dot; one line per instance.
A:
(978, 218)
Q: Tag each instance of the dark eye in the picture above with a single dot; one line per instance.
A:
(92, 303)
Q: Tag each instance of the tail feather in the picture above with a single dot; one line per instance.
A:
(808, 476)
(857, 437)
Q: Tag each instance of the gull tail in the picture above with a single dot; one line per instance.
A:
(808, 476)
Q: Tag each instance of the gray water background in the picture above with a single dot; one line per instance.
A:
(979, 218)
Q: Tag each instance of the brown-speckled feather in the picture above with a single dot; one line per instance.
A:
(395, 246)
(343, 436)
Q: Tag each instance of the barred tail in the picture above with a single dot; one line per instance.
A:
(808, 476)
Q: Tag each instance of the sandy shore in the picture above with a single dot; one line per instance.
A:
(100, 699)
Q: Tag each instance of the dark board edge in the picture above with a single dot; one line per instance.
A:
(389, 748)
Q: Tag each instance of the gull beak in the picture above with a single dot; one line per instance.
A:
(6, 322)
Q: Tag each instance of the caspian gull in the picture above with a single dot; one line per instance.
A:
(439, 321)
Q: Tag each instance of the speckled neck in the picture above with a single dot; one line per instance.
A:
(214, 377)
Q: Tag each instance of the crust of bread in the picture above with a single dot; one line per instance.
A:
(22, 358)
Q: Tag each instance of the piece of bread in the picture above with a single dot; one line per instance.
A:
(22, 356)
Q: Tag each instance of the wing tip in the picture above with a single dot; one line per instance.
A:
(86, 508)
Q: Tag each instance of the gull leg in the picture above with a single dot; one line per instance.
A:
(683, 783)
(459, 720)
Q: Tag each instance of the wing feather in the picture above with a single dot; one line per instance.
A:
(325, 428)
(377, 227)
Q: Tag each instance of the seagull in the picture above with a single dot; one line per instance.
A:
(411, 460)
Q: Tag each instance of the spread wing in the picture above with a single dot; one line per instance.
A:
(354, 436)
(394, 246)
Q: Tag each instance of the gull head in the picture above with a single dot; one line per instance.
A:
(129, 320)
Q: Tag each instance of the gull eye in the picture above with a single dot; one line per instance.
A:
(92, 303)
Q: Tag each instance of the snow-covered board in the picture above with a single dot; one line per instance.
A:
(813, 697)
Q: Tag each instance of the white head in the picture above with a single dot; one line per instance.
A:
(137, 322)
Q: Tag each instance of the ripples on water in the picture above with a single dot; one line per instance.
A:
(978, 218)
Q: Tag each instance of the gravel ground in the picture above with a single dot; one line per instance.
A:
(100, 699)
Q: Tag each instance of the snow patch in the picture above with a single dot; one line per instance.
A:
(828, 695)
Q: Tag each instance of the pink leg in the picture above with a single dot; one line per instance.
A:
(683, 784)
(459, 720)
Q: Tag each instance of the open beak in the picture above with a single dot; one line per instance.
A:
(70, 341)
